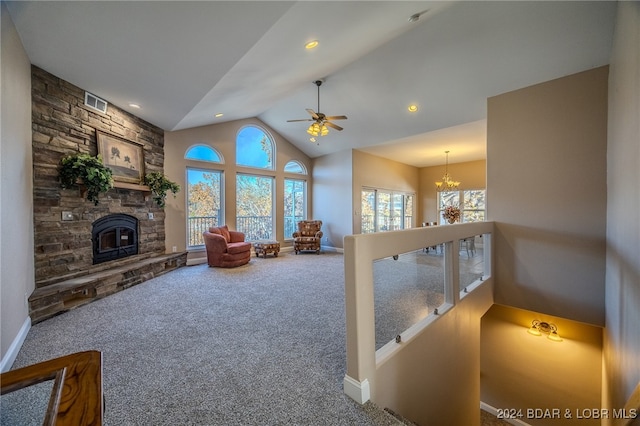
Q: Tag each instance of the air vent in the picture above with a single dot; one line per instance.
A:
(92, 101)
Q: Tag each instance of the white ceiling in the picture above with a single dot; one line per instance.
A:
(184, 61)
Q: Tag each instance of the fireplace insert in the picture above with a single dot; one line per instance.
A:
(114, 236)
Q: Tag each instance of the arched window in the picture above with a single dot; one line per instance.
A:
(203, 153)
(294, 166)
(254, 148)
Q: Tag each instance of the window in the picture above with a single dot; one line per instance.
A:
(254, 148)
(384, 210)
(295, 205)
(471, 203)
(294, 166)
(203, 153)
(254, 206)
(204, 203)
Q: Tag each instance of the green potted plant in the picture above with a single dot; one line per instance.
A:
(159, 185)
(86, 172)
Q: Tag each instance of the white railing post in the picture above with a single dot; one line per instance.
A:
(359, 305)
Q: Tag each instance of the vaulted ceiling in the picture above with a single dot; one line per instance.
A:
(183, 62)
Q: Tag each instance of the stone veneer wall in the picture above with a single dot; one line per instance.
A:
(63, 125)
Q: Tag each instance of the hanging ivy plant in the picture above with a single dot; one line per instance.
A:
(159, 185)
(86, 172)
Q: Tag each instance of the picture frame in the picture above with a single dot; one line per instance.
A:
(125, 158)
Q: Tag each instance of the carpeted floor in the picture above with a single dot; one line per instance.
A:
(255, 345)
(260, 344)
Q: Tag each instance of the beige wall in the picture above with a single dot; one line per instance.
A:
(341, 177)
(370, 171)
(622, 334)
(471, 174)
(16, 183)
(332, 183)
(546, 180)
(338, 180)
(522, 371)
(222, 137)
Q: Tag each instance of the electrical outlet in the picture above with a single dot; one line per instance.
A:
(174, 249)
(67, 216)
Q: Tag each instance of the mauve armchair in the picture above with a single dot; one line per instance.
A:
(225, 248)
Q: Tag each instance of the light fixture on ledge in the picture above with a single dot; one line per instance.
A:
(539, 327)
(447, 184)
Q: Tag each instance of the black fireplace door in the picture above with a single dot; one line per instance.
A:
(114, 237)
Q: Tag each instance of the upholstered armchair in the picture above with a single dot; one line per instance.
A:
(308, 236)
(225, 248)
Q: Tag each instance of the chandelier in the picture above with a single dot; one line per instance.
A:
(447, 184)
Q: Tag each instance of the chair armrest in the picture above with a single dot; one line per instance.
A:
(296, 234)
(214, 242)
(319, 234)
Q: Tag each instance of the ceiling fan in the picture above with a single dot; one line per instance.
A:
(320, 121)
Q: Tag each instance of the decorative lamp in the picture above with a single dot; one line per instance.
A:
(447, 184)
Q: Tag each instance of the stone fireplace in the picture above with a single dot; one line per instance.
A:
(114, 236)
(85, 251)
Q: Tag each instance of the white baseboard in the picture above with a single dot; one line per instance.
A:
(489, 409)
(358, 391)
(12, 353)
(334, 249)
(196, 261)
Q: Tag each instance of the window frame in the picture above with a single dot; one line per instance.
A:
(272, 153)
(272, 178)
(289, 235)
(220, 217)
(209, 147)
(461, 204)
(396, 221)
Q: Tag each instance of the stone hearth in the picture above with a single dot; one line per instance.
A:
(65, 293)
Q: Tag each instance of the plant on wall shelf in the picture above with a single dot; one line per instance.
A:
(159, 185)
(87, 172)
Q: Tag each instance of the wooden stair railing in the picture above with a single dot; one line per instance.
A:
(76, 397)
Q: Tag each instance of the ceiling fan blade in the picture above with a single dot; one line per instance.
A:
(335, 126)
(337, 117)
(302, 119)
(312, 113)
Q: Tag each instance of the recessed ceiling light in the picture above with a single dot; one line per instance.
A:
(312, 44)
(218, 115)
(412, 108)
(134, 106)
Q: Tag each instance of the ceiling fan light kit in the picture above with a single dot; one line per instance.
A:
(321, 122)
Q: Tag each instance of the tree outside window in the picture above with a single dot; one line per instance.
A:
(254, 206)
(204, 203)
(294, 205)
(471, 202)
